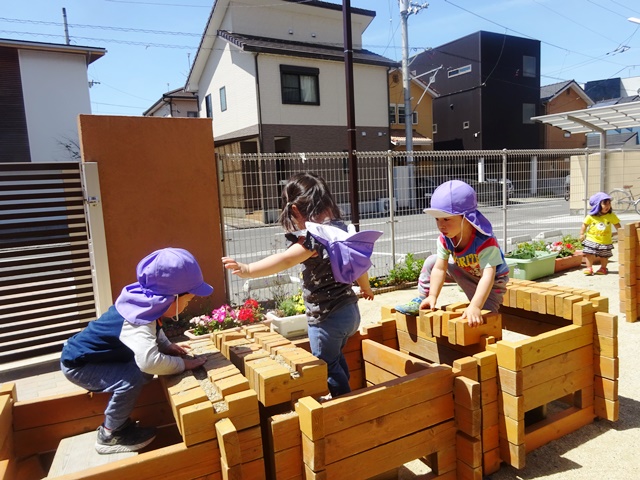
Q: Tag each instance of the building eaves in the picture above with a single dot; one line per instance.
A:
(333, 6)
(250, 43)
(91, 53)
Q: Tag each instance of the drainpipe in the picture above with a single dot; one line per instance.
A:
(260, 139)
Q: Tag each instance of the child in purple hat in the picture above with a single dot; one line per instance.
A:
(595, 234)
(329, 266)
(124, 348)
(467, 253)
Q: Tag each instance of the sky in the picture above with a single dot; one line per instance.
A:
(151, 43)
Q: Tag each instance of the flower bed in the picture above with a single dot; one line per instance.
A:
(226, 317)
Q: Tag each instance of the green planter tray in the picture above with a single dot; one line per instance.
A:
(530, 269)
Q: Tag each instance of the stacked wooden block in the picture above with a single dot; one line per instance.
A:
(368, 432)
(274, 367)
(628, 239)
(199, 401)
(554, 363)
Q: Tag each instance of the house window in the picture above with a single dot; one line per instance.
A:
(528, 111)
(223, 99)
(392, 114)
(459, 71)
(300, 85)
(192, 114)
(465, 125)
(207, 106)
(529, 66)
(434, 128)
(414, 116)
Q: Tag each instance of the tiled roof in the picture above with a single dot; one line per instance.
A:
(251, 43)
(399, 137)
(548, 91)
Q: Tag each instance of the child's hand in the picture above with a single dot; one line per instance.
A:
(176, 349)
(367, 293)
(191, 363)
(237, 268)
(473, 316)
(428, 303)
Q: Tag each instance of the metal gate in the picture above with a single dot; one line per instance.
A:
(46, 287)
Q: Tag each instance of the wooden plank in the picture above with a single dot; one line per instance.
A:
(284, 429)
(469, 420)
(6, 425)
(516, 355)
(469, 449)
(606, 367)
(396, 453)
(606, 324)
(397, 363)
(468, 335)
(439, 350)
(557, 426)
(78, 453)
(516, 382)
(607, 409)
(466, 393)
(605, 346)
(558, 387)
(396, 425)
(605, 388)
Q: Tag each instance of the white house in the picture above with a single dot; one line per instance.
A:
(271, 75)
(43, 88)
(175, 103)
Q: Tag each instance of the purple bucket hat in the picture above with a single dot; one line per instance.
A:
(458, 198)
(349, 253)
(595, 200)
(162, 275)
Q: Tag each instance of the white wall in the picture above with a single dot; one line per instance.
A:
(55, 90)
(371, 103)
(234, 70)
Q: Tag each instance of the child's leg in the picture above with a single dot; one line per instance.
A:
(328, 338)
(469, 285)
(124, 380)
(424, 280)
(589, 260)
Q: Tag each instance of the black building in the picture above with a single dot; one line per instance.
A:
(489, 87)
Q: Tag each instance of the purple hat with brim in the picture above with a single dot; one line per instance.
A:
(349, 253)
(595, 200)
(162, 275)
(458, 198)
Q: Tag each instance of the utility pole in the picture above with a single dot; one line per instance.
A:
(351, 114)
(66, 26)
(407, 8)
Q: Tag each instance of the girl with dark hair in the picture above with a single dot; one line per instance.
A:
(331, 305)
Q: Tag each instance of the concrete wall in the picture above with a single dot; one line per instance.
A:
(159, 189)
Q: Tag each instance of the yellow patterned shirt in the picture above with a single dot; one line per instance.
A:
(599, 228)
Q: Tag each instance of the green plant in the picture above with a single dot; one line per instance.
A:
(378, 282)
(527, 250)
(291, 305)
(407, 271)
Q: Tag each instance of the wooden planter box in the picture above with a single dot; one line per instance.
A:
(567, 263)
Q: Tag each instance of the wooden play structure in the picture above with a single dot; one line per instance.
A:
(628, 240)
(429, 387)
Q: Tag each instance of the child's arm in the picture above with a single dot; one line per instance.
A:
(436, 281)
(583, 229)
(472, 312)
(365, 287)
(270, 265)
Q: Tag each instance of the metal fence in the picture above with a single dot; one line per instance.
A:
(532, 193)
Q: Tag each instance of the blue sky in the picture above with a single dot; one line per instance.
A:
(150, 43)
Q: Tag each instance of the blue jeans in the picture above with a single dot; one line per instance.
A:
(327, 340)
(123, 380)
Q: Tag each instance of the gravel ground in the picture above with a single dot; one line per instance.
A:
(602, 449)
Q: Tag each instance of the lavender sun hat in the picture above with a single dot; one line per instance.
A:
(595, 200)
(161, 275)
(349, 252)
(458, 198)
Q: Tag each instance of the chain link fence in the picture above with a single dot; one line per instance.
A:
(524, 193)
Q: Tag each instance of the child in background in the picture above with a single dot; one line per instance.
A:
(331, 306)
(477, 263)
(596, 235)
(124, 348)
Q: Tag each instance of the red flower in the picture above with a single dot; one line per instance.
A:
(251, 303)
(245, 315)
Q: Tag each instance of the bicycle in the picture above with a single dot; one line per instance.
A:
(623, 198)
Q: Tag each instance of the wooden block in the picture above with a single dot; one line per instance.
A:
(466, 393)
(467, 335)
(605, 346)
(425, 329)
(387, 312)
(514, 455)
(469, 420)
(234, 384)
(552, 428)
(228, 442)
(9, 388)
(466, 367)
(198, 423)
(601, 303)
(606, 367)
(183, 399)
(607, 409)
(556, 388)
(491, 461)
(491, 438)
(469, 450)
(311, 417)
(516, 355)
(397, 363)
(511, 406)
(606, 324)
(406, 323)
(490, 415)
(511, 430)
(489, 391)
(605, 388)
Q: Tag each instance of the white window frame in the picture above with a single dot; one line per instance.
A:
(393, 113)
(459, 71)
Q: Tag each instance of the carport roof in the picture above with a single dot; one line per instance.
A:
(595, 119)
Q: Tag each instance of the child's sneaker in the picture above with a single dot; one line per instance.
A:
(410, 308)
(602, 271)
(588, 271)
(128, 438)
